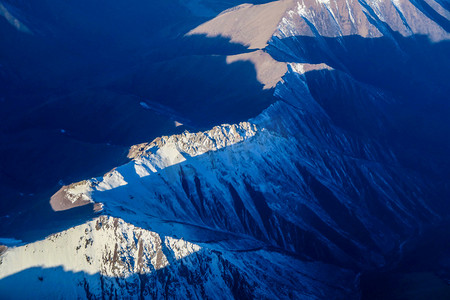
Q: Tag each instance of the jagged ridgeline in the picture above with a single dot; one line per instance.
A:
(264, 150)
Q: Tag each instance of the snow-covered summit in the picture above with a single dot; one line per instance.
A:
(150, 157)
(194, 144)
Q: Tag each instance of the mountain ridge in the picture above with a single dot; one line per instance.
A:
(319, 187)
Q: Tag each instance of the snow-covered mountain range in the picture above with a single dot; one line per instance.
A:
(333, 161)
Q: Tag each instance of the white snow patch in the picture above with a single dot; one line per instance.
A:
(170, 155)
(298, 68)
(180, 247)
(324, 2)
(350, 11)
(111, 180)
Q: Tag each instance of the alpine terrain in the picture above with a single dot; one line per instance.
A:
(206, 149)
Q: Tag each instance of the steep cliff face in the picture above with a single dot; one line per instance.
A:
(397, 49)
(107, 257)
(368, 19)
(295, 202)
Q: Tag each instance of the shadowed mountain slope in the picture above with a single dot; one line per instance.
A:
(339, 171)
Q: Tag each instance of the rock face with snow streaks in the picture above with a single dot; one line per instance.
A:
(296, 202)
(107, 257)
